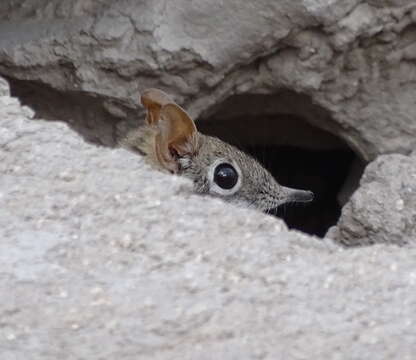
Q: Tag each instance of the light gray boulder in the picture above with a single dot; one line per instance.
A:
(383, 209)
(91, 59)
(103, 258)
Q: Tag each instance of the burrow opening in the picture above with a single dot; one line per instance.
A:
(297, 141)
(294, 138)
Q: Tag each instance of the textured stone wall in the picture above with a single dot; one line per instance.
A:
(353, 58)
(99, 257)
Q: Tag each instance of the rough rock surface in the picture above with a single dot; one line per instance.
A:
(102, 258)
(90, 59)
(383, 209)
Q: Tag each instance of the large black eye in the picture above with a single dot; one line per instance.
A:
(225, 176)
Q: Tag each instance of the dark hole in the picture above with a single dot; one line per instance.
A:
(321, 171)
(285, 133)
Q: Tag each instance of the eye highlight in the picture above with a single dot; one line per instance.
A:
(225, 176)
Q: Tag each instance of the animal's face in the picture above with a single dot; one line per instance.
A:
(222, 170)
(171, 142)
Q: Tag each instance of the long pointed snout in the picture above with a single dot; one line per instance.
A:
(295, 195)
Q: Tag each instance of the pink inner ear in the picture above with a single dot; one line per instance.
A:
(176, 131)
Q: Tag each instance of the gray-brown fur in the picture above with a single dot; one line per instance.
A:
(197, 157)
(258, 188)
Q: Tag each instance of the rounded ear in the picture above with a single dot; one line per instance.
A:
(180, 130)
(177, 136)
(153, 100)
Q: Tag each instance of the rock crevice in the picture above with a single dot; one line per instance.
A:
(354, 60)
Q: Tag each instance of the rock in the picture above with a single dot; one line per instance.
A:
(4, 88)
(101, 257)
(91, 59)
(383, 209)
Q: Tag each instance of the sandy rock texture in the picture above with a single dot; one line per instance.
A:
(86, 61)
(102, 258)
(383, 209)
